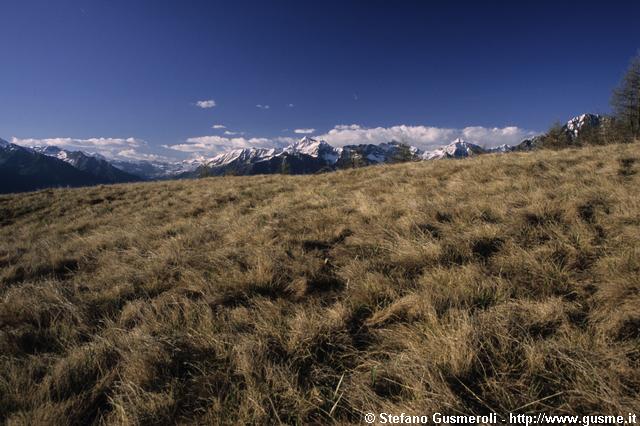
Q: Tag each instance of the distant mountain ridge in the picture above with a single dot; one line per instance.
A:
(24, 169)
(154, 170)
(95, 165)
(303, 157)
(312, 156)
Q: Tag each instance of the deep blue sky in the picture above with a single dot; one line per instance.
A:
(128, 68)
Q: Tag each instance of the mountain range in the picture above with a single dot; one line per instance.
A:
(95, 165)
(312, 156)
(32, 168)
(25, 169)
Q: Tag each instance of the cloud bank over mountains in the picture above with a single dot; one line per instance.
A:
(114, 148)
(212, 145)
(424, 137)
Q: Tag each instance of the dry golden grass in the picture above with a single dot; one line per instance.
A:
(500, 283)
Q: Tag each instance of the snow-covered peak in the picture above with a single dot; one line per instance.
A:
(459, 148)
(308, 146)
(436, 154)
(314, 148)
(576, 124)
(307, 140)
(305, 146)
(225, 157)
(244, 154)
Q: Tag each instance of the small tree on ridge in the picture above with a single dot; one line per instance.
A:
(626, 99)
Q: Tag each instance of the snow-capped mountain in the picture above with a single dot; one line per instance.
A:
(574, 129)
(54, 151)
(23, 169)
(303, 157)
(459, 148)
(115, 170)
(311, 156)
(316, 149)
(245, 155)
(92, 164)
(304, 147)
(581, 122)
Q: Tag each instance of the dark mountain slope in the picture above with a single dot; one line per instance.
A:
(22, 169)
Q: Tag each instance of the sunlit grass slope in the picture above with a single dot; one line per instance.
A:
(500, 283)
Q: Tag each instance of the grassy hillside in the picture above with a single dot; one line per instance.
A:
(499, 283)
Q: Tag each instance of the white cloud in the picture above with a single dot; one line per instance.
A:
(291, 105)
(424, 137)
(217, 144)
(420, 136)
(209, 103)
(95, 144)
(132, 154)
(262, 106)
(114, 148)
(347, 127)
(304, 131)
(496, 135)
(230, 133)
(218, 126)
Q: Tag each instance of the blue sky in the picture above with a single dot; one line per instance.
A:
(125, 77)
